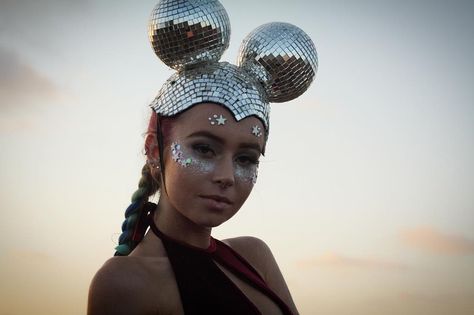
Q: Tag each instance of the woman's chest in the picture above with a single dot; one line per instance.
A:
(165, 296)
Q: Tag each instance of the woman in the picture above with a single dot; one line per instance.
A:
(206, 134)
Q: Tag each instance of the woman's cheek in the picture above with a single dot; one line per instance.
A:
(190, 161)
(246, 174)
(203, 166)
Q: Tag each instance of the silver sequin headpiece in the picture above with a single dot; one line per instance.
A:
(277, 62)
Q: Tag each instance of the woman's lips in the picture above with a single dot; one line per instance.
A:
(217, 203)
(217, 198)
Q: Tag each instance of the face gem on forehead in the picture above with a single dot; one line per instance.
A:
(256, 131)
(177, 155)
(220, 120)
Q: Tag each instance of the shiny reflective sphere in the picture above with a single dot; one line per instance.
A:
(187, 32)
(281, 56)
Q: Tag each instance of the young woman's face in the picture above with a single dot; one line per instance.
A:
(211, 163)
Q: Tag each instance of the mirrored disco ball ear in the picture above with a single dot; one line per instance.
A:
(187, 32)
(282, 57)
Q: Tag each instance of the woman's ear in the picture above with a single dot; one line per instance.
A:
(151, 140)
(151, 147)
(153, 156)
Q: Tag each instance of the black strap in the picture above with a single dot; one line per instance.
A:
(203, 287)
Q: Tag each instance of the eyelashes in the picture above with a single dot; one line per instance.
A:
(248, 160)
(206, 151)
(202, 157)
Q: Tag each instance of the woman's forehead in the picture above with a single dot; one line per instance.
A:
(212, 113)
(217, 119)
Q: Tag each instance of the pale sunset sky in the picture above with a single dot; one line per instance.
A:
(366, 192)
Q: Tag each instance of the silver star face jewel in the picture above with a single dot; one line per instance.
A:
(219, 120)
(256, 131)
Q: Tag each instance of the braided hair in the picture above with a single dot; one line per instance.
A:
(135, 224)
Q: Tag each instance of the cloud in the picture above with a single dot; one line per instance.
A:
(431, 240)
(21, 85)
(341, 261)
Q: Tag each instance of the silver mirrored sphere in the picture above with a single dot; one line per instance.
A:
(186, 32)
(281, 56)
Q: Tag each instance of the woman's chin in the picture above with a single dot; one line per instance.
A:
(211, 222)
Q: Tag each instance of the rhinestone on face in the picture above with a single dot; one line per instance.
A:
(254, 177)
(221, 120)
(256, 131)
(177, 155)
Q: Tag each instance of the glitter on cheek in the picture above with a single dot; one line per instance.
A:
(190, 160)
(254, 176)
(178, 156)
(199, 165)
(203, 166)
(246, 174)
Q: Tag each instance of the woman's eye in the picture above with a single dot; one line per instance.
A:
(203, 149)
(247, 160)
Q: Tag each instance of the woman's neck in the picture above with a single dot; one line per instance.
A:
(175, 225)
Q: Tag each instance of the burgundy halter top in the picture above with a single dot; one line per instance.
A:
(204, 288)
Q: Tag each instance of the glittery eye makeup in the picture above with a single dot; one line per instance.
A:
(178, 156)
(199, 158)
(202, 158)
(247, 174)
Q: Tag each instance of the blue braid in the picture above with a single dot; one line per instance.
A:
(136, 213)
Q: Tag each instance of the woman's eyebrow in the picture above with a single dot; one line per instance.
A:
(220, 140)
(254, 146)
(206, 134)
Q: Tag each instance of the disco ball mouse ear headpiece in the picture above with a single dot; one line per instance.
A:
(277, 61)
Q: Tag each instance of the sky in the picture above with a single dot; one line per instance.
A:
(365, 195)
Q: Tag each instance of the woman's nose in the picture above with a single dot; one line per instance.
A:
(224, 173)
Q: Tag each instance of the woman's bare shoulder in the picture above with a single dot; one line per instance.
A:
(122, 285)
(254, 250)
(120, 269)
(113, 289)
(259, 255)
(246, 244)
